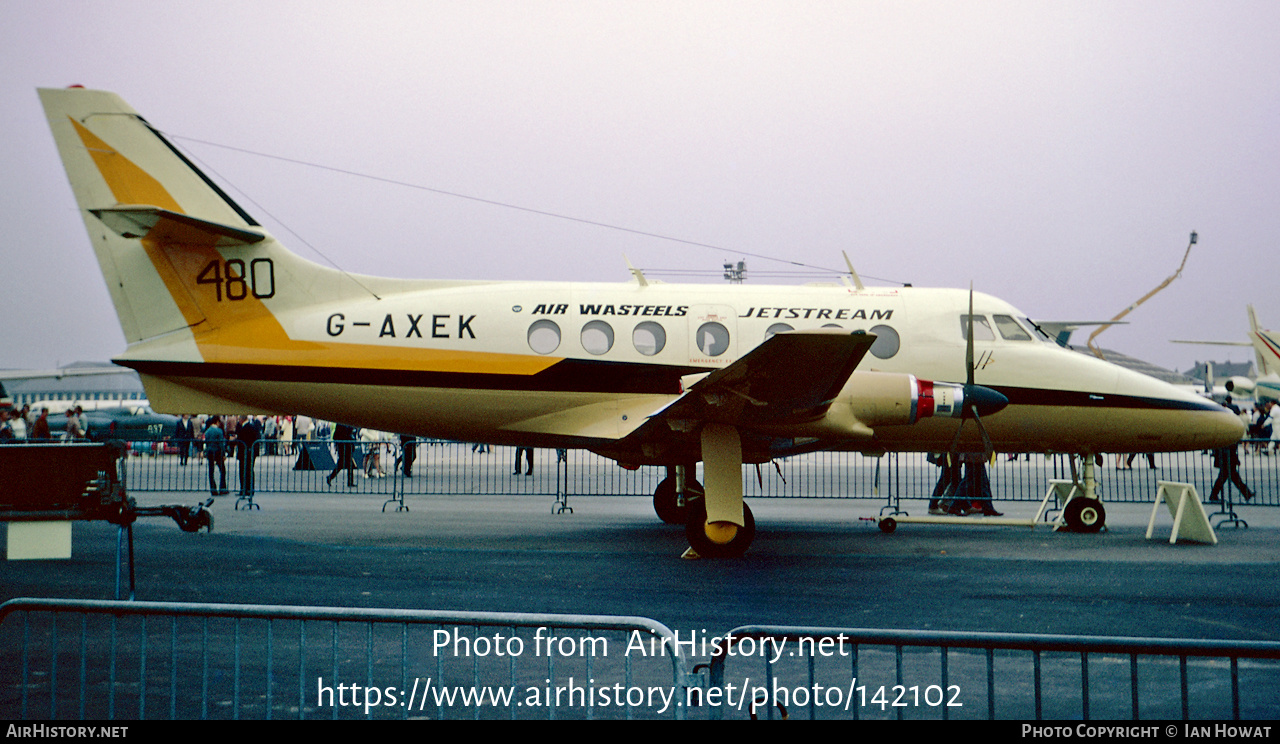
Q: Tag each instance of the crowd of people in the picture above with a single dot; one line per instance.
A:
(214, 439)
(28, 424)
(1263, 424)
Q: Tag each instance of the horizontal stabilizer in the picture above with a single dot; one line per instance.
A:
(164, 226)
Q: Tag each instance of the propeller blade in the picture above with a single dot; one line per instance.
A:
(956, 439)
(978, 400)
(987, 449)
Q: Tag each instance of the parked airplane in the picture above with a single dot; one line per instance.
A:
(220, 317)
(130, 421)
(1266, 353)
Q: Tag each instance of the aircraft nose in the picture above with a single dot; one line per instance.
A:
(1211, 427)
(1221, 427)
(986, 400)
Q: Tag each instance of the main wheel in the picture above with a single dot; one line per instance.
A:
(1084, 515)
(668, 505)
(730, 542)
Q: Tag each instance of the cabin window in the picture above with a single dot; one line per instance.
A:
(649, 338)
(712, 339)
(1009, 328)
(887, 342)
(597, 337)
(981, 328)
(544, 336)
(775, 329)
(832, 325)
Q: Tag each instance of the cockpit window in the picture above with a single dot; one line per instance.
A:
(1009, 328)
(981, 328)
(1040, 332)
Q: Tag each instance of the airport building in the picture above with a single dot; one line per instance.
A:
(83, 382)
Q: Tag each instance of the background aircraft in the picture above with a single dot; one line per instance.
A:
(1266, 352)
(135, 421)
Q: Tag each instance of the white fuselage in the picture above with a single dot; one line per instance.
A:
(559, 364)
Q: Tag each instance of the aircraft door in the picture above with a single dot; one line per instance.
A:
(713, 335)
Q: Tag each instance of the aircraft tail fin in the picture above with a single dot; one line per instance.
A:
(139, 197)
(1266, 346)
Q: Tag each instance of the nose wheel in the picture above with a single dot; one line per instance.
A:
(1083, 514)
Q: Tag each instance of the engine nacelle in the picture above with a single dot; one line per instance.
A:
(871, 399)
(1238, 385)
(888, 399)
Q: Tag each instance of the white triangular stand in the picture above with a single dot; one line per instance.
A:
(1190, 522)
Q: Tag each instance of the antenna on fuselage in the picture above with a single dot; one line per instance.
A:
(637, 273)
(857, 282)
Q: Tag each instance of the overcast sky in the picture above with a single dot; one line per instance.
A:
(1057, 154)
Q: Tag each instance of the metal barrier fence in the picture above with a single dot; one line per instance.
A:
(89, 659)
(92, 659)
(831, 673)
(456, 467)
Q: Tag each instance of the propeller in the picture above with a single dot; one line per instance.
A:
(978, 400)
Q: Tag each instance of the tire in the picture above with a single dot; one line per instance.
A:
(888, 525)
(695, 531)
(666, 502)
(1084, 515)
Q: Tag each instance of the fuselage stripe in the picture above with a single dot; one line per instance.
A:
(584, 376)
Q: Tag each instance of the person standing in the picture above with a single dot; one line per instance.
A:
(286, 434)
(948, 482)
(40, 431)
(18, 423)
(72, 433)
(302, 428)
(248, 432)
(409, 453)
(1227, 461)
(343, 439)
(215, 453)
(528, 452)
(1274, 424)
(185, 432)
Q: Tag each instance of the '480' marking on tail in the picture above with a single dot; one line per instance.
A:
(259, 280)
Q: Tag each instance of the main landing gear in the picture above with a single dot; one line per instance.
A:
(671, 506)
(718, 540)
(717, 522)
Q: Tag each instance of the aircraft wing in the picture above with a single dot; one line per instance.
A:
(789, 379)
(1061, 330)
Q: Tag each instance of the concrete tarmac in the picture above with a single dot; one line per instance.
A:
(814, 562)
